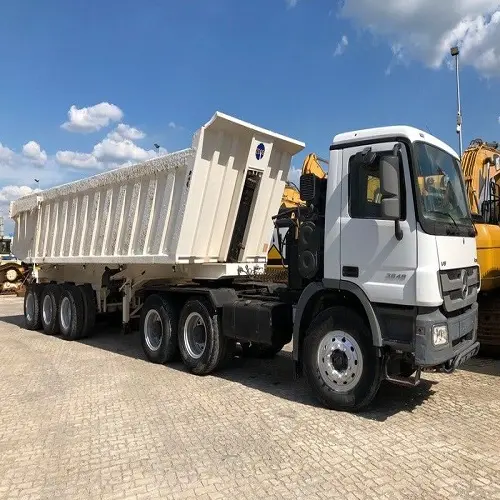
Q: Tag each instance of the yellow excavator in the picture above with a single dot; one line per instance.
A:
(481, 170)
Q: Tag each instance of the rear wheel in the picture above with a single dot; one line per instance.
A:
(71, 313)
(89, 308)
(158, 329)
(50, 309)
(202, 346)
(32, 306)
(341, 364)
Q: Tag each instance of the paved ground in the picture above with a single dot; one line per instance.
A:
(95, 420)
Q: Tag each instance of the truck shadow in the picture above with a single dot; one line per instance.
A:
(275, 376)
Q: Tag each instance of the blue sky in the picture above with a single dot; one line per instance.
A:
(305, 68)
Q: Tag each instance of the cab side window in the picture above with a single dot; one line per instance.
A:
(364, 190)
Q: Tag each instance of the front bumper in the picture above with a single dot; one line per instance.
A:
(462, 338)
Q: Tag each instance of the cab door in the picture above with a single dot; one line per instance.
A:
(371, 255)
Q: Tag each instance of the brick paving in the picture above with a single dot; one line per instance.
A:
(93, 419)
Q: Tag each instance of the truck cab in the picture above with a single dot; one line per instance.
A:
(385, 247)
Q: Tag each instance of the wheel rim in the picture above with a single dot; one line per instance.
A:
(340, 361)
(65, 313)
(195, 335)
(11, 275)
(47, 309)
(30, 306)
(153, 330)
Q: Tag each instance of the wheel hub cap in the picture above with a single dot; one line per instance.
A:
(195, 335)
(30, 306)
(47, 310)
(340, 361)
(153, 330)
(65, 313)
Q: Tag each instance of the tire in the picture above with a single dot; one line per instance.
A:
(89, 308)
(12, 275)
(200, 322)
(158, 329)
(343, 333)
(32, 306)
(71, 312)
(50, 299)
(260, 351)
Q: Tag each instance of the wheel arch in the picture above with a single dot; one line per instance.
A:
(319, 296)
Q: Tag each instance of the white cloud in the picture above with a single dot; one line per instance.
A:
(92, 118)
(34, 152)
(110, 149)
(6, 154)
(12, 193)
(291, 3)
(426, 29)
(77, 160)
(124, 131)
(341, 46)
(115, 150)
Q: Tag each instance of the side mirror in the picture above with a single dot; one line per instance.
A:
(390, 205)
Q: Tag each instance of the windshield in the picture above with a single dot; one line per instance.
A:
(442, 199)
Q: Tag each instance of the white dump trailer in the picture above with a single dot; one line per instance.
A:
(205, 211)
(377, 288)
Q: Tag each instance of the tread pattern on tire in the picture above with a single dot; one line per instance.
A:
(36, 290)
(218, 348)
(54, 293)
(342, 318)
(90, 309)
(74, 294)
(168, 313)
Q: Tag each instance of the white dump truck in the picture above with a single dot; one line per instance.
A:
(381, 282)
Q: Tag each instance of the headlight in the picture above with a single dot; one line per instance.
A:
(439, 334)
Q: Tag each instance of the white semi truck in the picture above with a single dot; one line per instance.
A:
(379, 287)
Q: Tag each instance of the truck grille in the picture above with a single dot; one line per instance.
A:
(459, 287)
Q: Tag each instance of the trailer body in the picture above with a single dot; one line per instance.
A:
(209, 204)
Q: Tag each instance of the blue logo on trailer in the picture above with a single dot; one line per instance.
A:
(259, 152)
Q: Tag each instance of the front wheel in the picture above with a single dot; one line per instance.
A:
(341, 364)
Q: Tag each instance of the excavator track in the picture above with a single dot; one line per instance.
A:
(489, 322)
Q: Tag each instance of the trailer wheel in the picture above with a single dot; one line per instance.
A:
(158, 329)
(202, 346)
(260, 351)
(32, 306)
(89, 308)
(50, 299)
(341, 364)
(71, 312)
